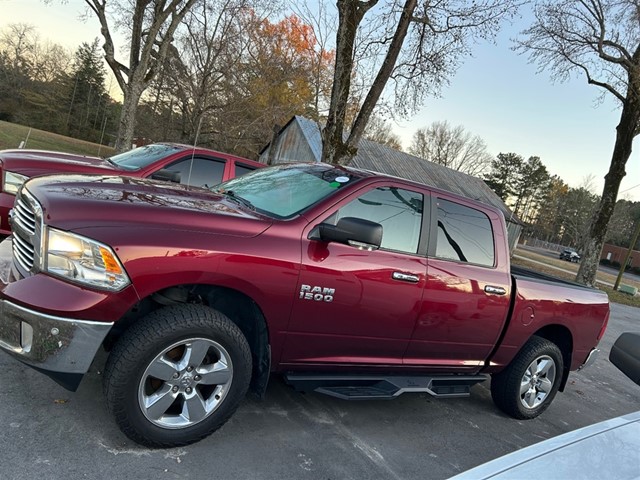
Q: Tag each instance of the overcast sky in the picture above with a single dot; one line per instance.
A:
(496, 94)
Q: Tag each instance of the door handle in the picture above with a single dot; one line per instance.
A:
(405, 277)
(494, 290)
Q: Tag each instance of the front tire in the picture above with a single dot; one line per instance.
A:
(527, 386)
(177, 375)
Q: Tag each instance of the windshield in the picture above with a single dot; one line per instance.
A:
(285, 191)
(142, 156)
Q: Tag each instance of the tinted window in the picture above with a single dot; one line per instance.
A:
(464, 234)
(241, 169)
(398, 211)
(141, 157)
(203, 173)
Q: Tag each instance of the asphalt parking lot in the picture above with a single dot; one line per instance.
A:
(47, 432)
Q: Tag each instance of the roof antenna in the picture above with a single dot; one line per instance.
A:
(193, 152)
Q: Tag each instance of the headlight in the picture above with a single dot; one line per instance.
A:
(83, 260)
(12, 182)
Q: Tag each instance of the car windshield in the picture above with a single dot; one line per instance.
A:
(142, 156)
(285, 191)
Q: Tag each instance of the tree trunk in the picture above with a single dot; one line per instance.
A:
(626, 131)
(386, 69)
(127, 123)
(333, 147)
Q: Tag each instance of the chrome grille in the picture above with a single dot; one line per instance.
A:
(27, 232)
(23, 252)
(24, 216)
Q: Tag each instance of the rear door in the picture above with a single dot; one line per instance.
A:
(468, 288)
(356, 306)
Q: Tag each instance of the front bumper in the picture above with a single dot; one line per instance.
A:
(61, 348)
(56, 345)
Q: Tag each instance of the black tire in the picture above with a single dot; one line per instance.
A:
(507, 386)
(175, 336)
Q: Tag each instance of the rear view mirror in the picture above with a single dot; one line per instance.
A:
(625, 354)
(356, 232)
(166, 175)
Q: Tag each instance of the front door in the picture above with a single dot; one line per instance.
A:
(356, 306)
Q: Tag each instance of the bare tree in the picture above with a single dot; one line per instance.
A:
(42, 61)
(380, 131)
(453, 147)
(599, 39)
(32, 74)
(198, 70)
(417, 44)
(322, 20)
(150, 25)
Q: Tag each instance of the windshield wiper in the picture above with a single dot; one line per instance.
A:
(236, 198)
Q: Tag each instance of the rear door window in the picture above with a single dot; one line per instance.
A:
(242, 169)
(464, 234)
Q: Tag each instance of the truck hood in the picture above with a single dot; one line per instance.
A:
(37, 162)
(73, 202)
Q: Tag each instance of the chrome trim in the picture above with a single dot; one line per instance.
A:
(23, 252)
(593, 354)
(405, 277)
(47, 342)
(24, 216)
(28, 229)
(495, 290)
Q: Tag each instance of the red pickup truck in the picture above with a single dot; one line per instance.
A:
(164, 161)
(346, 282)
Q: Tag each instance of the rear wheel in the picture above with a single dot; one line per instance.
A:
(177, 375)
(527, 386)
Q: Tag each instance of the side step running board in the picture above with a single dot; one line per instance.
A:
(368, 387)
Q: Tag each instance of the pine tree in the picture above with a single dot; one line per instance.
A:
(87, 97)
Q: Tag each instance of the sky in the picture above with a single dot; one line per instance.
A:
(496, 94)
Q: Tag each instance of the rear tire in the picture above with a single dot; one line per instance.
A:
(177, 375)
(527, 386)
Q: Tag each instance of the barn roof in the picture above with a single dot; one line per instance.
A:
(380, 158)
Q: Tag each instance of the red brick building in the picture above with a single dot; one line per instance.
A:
(617, 254)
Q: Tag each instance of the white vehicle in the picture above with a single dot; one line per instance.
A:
(570, 255)
(606, 450)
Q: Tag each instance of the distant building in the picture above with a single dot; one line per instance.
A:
(300, 141)
(618, 254)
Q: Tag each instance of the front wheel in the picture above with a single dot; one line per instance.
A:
(177, 375)
(527, 386)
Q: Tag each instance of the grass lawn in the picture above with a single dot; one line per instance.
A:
(11, 134)
(615, 297)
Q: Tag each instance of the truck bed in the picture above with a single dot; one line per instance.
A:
(525, 273)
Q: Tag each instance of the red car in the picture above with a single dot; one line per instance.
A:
(347, 282)
(162, 161)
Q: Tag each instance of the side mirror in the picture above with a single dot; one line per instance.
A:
(625, 354)
(166, 175)
(356, 232)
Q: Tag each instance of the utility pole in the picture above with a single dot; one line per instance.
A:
(636, 234)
